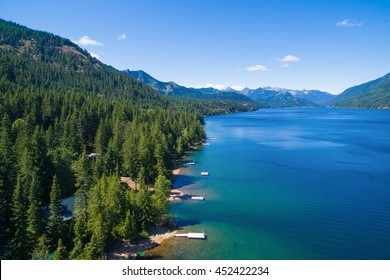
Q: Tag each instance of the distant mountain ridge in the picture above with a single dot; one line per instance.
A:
(373, 94)
(175, 90)
(264, 97)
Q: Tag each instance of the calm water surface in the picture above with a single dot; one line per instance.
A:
(289, 184)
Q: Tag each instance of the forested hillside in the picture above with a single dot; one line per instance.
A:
(374, 95)
(58, 107)
(174, 90)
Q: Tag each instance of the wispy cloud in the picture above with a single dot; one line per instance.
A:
(349, 23)
(257, 67)
(94, 55)
(284, 65)
(210, 85)
(87, 41)
(122, 37)
(238, 88)
(290, 58)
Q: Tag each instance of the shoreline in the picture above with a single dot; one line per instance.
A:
(127, 250)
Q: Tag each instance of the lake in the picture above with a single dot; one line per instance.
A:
(289, 184)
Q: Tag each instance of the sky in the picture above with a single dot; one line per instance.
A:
(302, 44)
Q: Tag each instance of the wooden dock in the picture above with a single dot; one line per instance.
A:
(197, 197)
(192, 235)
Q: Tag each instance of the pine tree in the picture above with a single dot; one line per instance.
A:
(61, 252)
(41, 251)
(145, 213)
(35, 214)
(162, 189)
(55, 223)
(7, 180)
(19, 244)
(83, 172)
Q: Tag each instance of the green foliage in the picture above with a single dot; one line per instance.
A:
(41, 252)
(55, 223)
(61, 252)
(19, 244)
(35, 215)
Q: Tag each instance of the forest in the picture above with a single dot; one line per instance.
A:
(58, 107)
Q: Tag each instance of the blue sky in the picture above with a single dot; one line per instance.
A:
(326, 45)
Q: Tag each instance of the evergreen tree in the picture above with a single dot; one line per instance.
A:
(61, 252)
(162, 189)
(41, 251)
(19, 244)
(55, 223)
(35, 214)
(145, 213)
(7, 180)
(83, 172)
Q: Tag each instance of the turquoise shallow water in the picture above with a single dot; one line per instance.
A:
(290, 184)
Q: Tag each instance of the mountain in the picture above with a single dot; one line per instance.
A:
(264, 97)
(279, 97)
(318, 97)
(175, 90)
(37, 59)
(373, 94)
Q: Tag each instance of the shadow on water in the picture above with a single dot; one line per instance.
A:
(183, 180)
(182, 223)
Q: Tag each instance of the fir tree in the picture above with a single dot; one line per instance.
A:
(19, 244)
(41, 251)
(7, 179)
(55, 223)
(61, 252)
(35, 214)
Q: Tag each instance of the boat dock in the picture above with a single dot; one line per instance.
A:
(197, 197)
(192, 235)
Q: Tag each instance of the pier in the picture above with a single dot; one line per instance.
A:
(192, 235)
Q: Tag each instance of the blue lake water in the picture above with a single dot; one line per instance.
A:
(289, 184)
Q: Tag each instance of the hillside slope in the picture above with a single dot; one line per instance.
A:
(373, 94)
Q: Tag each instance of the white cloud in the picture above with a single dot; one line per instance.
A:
(94, 55)
(290, 58)
(348, 23)
(122, 37)
(209, 85)
(284, 65)
(87, 41)
(257, 67)
(238, 88)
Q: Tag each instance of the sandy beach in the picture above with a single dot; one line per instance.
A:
(126, 250)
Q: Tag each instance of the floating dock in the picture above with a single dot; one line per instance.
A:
(192, 235)
(197, 197)
(204, 173)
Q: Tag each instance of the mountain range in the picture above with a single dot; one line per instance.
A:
(264, 97)
(373, 94)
